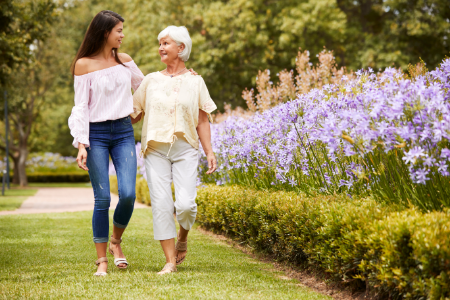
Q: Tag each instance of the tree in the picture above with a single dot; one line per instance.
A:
(26, 79)
(385, 32)
(60, 48)
(21, 24)
(233, 39)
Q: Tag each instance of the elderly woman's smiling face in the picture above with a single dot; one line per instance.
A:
(168, 50)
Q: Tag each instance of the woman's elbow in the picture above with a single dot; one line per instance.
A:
(203, 123)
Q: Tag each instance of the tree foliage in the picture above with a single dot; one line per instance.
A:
(232, 41)
(27, 76)
(21, 24)
(386, 32)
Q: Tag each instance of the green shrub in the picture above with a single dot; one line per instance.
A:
(142, 193)
(58, 177)
(400, 254)
(113, 187)
(410, 252)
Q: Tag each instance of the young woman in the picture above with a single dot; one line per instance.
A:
(101, 126)
(175, 107)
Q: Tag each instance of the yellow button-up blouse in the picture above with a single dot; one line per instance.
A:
(170, 105)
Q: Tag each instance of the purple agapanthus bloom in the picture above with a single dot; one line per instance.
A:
(322, 137)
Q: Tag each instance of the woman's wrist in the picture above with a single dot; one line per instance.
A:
(81, 146)
(209, 153)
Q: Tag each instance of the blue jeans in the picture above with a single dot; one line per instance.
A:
(115, 138)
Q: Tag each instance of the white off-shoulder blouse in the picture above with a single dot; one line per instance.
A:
(170, 105)
(101, 96)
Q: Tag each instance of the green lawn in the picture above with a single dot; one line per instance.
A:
(14, 197)
(50, 256)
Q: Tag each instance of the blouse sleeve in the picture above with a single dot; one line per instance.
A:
(205, 102)
(79, 118)
(136, 76)
(139, 98)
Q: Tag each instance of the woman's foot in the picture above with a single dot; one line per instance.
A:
(116, 251)
(168, 268)
(102, 264)
(181, 250)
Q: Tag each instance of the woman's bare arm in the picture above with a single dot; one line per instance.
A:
(137, 119)
(204, 133)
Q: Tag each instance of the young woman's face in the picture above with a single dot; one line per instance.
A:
(115, 36)
(168, 49)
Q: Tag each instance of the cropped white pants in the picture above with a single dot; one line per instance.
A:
(162, 166)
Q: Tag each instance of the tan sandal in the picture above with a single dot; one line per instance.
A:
(117, 261)
(168, 268)
(98, 262)
(181, 246)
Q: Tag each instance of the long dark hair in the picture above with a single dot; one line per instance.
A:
(96, 36)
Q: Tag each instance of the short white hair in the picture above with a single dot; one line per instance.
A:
(181, 36)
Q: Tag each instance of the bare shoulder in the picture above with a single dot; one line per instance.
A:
(82, 66)
(125, 57)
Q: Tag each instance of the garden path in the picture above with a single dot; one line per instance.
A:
(52, 200)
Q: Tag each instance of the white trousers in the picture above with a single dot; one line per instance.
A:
(180, 165)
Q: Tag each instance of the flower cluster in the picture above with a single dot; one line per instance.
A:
(377, 133)
(39, 162)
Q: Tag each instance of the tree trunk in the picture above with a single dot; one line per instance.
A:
(20, 156)
(16, 179)
(21, 167)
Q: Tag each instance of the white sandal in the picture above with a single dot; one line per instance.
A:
(98, 262)
(117, 261)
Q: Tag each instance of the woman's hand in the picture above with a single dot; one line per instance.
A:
(193, 72)
(212, 163)
(137, 119)
(82, 157)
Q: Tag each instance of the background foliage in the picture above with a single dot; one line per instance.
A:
(232, 41)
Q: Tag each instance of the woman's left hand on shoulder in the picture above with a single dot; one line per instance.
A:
(193, 72)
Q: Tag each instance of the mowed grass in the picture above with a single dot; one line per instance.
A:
(13, 198)
(50, 256)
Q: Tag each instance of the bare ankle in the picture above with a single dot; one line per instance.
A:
(171, 261)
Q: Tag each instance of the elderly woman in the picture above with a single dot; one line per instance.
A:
(176, 107)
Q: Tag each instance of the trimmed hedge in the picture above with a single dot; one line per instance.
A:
(142, 193)
(58, 177)
(397, 254)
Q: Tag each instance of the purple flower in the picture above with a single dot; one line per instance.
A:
(412, 155)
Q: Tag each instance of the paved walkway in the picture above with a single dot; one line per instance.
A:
(52, 200)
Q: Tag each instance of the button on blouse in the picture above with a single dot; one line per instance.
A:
(102, 95)
(171, 105)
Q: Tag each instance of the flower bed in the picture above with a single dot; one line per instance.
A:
(51, 167)
(397, 253)
(385, 135)
(51, 163)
